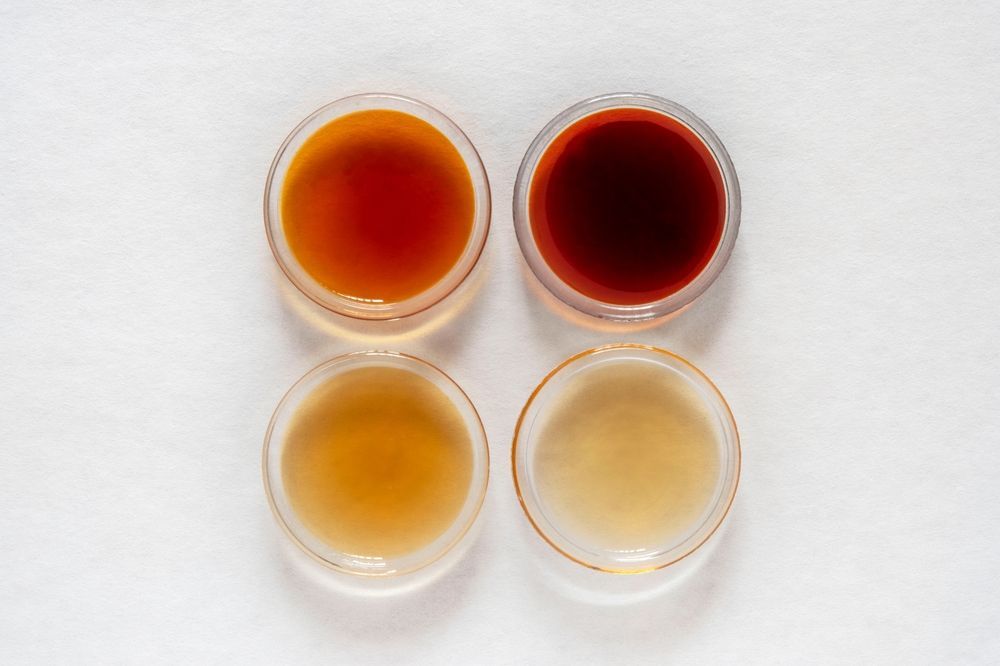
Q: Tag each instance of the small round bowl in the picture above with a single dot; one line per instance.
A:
(532, 497)
(274, 444)
(358, 308)
(522, 219)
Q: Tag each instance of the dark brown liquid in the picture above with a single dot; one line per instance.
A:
(627, 205)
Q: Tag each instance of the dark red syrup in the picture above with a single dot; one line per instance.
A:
(627, 205)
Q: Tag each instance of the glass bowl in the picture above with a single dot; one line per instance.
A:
(672, 302)
(360, 308)
(274, 444)
(533, 495)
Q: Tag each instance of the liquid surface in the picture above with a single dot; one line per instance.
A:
(377, 206)
(377, 462)
(627, 205)
(627, 458)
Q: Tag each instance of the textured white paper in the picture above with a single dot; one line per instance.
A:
(146, 334)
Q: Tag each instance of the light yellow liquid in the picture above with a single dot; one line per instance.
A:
(627, 458)
(377, 462)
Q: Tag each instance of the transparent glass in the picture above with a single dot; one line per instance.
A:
(356, 307)
(567, 294)
(657, 556)
(274, 442)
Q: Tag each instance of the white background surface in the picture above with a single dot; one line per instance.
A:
(146, 333)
